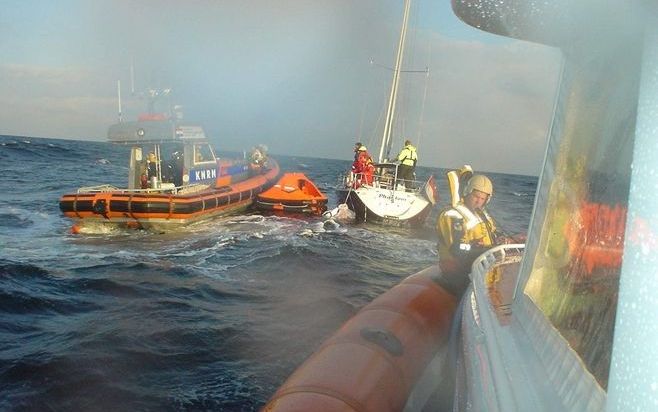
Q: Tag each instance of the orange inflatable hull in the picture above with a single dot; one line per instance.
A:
(374, 360)
(143, 209)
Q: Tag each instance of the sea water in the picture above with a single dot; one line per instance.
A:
(212, 317)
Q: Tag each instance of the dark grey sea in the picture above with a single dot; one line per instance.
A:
(214, 317)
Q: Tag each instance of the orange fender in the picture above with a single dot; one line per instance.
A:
(373, 361)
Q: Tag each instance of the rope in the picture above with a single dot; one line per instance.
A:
(349, 192)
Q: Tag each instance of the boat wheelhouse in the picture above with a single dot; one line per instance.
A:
(174, 178)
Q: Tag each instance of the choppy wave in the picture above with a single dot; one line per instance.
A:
(15, 218)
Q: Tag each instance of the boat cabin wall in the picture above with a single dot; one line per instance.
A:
(164, 162)
(201, 163)
(183, 164)
(175, 163)
(136, 160)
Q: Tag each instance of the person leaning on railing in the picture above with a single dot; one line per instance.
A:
(465, 232)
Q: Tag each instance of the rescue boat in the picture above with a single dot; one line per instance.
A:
(293, 193)
(180, 181)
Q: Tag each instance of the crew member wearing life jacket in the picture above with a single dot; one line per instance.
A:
(465, 232)
(363, 167)
(258, 156)
(407, 158)
(151, 165)
(149, 170)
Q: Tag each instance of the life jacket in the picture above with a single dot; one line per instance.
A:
(362, 162)
(368, 172)
(364, 157)
(256, 156)
(408, 156)
(463, 235)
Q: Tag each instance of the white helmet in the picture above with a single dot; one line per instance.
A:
(480, 183)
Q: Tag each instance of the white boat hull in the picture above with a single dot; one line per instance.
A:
(387, 206)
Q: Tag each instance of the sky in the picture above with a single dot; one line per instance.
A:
(304, 77)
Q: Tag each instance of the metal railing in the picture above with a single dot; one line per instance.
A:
(351, 179)
(168, 188)
(495, 256)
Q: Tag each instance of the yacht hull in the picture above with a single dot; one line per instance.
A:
(385, 206)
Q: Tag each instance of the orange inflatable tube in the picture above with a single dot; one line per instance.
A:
(124, 205)
(373, 361)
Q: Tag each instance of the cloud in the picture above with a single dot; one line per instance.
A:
(491, 105)
(293, 75)
(62, 102)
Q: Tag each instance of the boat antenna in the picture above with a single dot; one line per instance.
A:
(392, 100)
(119, 98)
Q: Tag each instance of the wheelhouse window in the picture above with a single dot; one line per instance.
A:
(573, 269)
(203, 153)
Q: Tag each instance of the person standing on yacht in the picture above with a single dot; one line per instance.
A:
(363, 167)
(357, 146)
(407, 158)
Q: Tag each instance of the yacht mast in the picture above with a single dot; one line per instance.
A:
(119, 98)
(390, 112)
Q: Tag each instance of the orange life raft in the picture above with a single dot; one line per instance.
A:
(374, 360)
(293, 193)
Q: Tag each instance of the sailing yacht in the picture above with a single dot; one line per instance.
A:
(385, 198)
